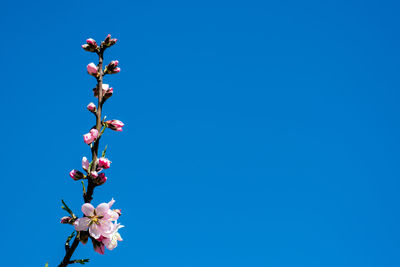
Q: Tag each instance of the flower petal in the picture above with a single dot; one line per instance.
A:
(102, 209)
(88, 209)
(82, 224)
(111, 202)
(112, 215)
(94, 231)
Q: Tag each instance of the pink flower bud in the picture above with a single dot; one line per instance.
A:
(91, 42)
(115, 125)
(88, 138)
(108, 41)
(104, 163)
(108, 93)
(94, 174)
(90, 48)
(66, 220)
(94, 133)
(98, 247)
(76, 175)
(85, 164)
(92, 69)
(91, 107)
(112, 68)
(101, 179)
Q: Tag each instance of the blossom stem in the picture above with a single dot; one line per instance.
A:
(88, 195)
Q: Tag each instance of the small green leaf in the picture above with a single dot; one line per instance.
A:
(83, 187)
(67, 209)
(90, 167)
(103, 154)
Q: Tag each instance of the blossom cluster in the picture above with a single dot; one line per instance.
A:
(100, 223)
(97, 177)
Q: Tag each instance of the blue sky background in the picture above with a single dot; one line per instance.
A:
(258, 133)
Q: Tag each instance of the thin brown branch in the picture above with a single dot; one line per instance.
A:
(88, 196)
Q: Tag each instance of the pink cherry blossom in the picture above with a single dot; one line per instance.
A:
(85, 163)
(114, 214)
(111, 241)
(104, 163)
(92, 69)
(98, 220)
(94, 174)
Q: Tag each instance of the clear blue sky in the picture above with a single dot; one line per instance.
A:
(258, 133)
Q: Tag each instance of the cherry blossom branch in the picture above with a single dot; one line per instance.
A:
(96, 223)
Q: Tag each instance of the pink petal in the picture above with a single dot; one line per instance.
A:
(95, 231)
(111, 203)
(94, 133)
(112, 215)
(105, 86)
(88, 209)
(82, 224)
(110, 244)
(102, 209)
(85, 163)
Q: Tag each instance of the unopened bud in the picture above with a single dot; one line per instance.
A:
(94, 133)
(107, 91)
(84, 237)
(98, 246)
(94, 174)
(112, 67)
(101, 179)
(76, 175)
(115, 125)
(108, 41)
(85, 163)
(104, 163)
(91, 42)
(91, 107)
(92, 69)
(88, 48)
(91, 45)
(67, 220)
